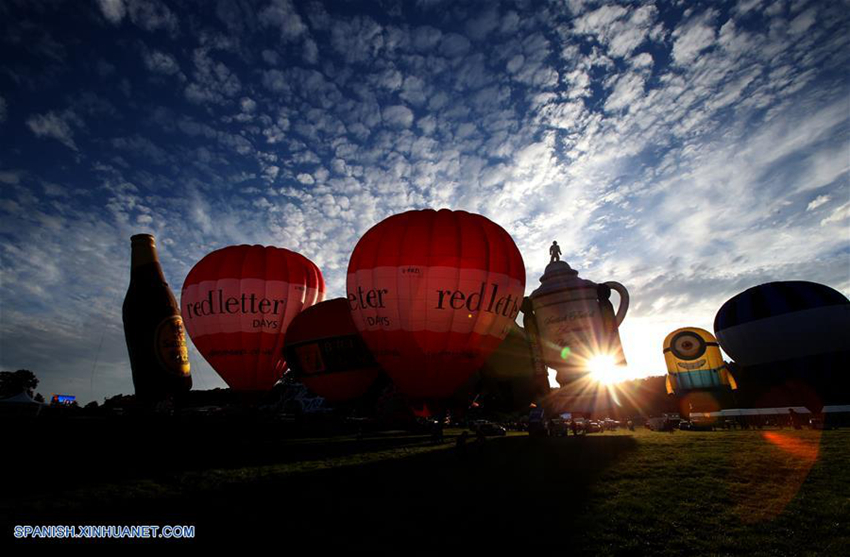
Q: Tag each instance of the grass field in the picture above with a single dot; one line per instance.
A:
(771, 492)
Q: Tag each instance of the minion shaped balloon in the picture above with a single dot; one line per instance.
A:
(694, 362)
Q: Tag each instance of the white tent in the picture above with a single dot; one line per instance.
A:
(21, 404)
(836, 415)
(783, 411)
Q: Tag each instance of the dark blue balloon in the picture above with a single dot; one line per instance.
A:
(778, 321)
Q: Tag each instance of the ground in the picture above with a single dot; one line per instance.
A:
(770, 492)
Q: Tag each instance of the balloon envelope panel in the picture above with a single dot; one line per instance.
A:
(326, 352)
(780, 321)
(512, 358)
(433, 293)
(237, 303)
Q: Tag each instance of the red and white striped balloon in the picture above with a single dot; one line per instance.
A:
(433, 293)
(237, 303)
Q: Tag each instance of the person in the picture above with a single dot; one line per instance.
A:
(436, 432)
(555, 252)
(460, 443)
(792, 415)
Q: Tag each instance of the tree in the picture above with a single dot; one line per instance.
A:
(39, 398)
(16, 382)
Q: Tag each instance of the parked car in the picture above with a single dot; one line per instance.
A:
(559, 427)
(610, 425)
(489, 428)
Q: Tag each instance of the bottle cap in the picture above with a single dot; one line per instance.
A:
(142, 239)
(143, 247)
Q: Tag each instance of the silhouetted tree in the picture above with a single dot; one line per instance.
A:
(15, 382)
(39, 398)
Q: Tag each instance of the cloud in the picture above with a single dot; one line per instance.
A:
(282, 15)
(150, 15)
(147, 150)
(360, 39)
(113, 10)
(426, 38)
(803, 22)
(414, 90)
(271, 172)
(745, 6)
(693, 37)
(453, 45)
(398, 116)
(306, 179)
(12, 177)
(817, 202)
(275, 80)
(311, 51)
(270, 57)
(840, 216)
(213, 81)
(248, 105)
(56, 126)
(627, 90)
(161, 62)
(479, 27)
(515, 63)
(620, 29)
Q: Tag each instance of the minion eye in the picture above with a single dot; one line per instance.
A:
(687, 346)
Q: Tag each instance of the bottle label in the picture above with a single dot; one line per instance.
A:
(170, 345)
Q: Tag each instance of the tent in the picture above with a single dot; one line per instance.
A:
(21, 404)
(836, 415)
(781, 411)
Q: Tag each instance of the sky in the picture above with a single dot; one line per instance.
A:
(687, 150)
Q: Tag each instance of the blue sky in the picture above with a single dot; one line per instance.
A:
(686, 150)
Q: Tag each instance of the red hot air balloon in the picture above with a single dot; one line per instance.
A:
(326, 353)
(237, 303)
(433, 293)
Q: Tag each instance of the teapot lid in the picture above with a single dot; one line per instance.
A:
(560, 276)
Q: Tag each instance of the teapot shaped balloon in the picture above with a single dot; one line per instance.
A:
(576, 321)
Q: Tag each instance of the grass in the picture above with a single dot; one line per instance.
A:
(777, 492)
(742, 492)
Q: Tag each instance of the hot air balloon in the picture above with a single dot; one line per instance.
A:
(694, 362)
(326, 352)
(577, 323)
(237, 303)
(790, 337)
(509, 375)
(433, 293)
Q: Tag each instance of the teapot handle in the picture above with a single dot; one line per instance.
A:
(624, 299)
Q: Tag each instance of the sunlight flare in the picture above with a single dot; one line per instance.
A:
(604, 370)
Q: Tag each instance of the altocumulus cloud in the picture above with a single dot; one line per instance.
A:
(57, 126)
(687, 151)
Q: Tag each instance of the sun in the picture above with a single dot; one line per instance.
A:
(604, 370)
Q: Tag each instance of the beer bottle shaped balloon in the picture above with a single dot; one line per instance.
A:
(153, 327)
